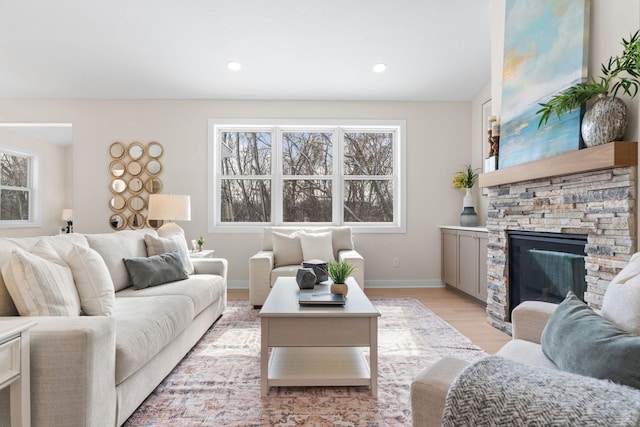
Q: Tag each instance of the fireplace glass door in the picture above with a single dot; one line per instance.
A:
(545, 266)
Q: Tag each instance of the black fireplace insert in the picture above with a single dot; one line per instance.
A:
(545, 266)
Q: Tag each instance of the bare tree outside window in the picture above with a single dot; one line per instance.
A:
(15, 171)
(368, 155)
(308, 155)
(245, 157)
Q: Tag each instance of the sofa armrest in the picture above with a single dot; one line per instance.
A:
(260, 266)
(529, 319)
(72, 368)
(429, 391)
(354, 258)
(217, 266)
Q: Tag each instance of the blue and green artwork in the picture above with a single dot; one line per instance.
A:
(545, 51)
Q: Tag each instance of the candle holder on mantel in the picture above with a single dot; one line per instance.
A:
(493, 132)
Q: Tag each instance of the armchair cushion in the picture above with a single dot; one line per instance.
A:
(579, 340)
(286, 249)
(317, 246)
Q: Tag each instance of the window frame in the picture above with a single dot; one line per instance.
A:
(32, 189)
(338, 177)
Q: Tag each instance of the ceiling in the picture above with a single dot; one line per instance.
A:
(435, 50)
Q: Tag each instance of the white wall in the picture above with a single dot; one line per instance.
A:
(478, 141)
(54, 181)
(438, 136)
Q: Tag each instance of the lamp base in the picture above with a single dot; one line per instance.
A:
(170, 228)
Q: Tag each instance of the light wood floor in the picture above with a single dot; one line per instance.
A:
(467, 317)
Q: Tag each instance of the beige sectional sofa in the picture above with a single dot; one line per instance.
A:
(282, 254)
(96, 370)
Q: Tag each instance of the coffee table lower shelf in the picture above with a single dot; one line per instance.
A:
(318, 366)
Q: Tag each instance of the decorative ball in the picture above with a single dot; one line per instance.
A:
(319, 268)
(306, 278)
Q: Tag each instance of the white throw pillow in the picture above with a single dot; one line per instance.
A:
(93, 281)
(286, 249)
(40, 287)
(317, 246)
(170, 240)
(621, 302)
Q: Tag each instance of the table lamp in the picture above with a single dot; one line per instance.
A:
(169, 208)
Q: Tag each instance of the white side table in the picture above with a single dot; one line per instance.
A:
(14, 368)
(205, 253)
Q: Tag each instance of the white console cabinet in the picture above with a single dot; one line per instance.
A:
(464, 260)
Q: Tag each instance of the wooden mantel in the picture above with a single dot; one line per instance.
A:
(611, 155)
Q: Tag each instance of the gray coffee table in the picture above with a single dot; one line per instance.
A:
(317, 345)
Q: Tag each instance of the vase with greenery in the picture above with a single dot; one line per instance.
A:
(200, 243)
(465, 179)
(338, 271)
(620, 75)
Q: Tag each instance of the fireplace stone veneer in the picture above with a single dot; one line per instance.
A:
(600, 204)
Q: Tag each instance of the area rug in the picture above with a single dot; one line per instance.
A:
(218, 382)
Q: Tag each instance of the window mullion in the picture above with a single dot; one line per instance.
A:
(277, 184)
(338, 176)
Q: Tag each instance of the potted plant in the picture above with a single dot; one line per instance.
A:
(606, 120)
(338, 271)
(466, 179)
(200, 243)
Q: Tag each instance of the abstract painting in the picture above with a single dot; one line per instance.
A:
(545, 52)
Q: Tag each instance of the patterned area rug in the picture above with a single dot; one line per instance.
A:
(218, 382)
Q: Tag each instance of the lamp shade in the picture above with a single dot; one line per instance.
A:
(67, 214)
(170, 207)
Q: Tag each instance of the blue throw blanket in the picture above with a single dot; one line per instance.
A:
(495, 391)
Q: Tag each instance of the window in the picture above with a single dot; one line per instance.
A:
(295, 172)
(17, 201)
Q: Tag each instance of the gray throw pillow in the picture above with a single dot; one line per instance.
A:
(155, 270)
(579, 340)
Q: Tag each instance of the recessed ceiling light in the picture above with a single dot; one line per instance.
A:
(379, 68)
(234, 65)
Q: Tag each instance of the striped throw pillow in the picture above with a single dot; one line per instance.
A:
(40, 287)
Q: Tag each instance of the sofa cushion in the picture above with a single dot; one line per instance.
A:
(317, 246)
(176, 233)
(526, 352)
(579, 340)
(621, 302)
(38, 286)
(162, 245)
(113, 247)
(203, 289)
(92, 280)
(60, 243)
(144, 326)
(155, 270)
(287, 249)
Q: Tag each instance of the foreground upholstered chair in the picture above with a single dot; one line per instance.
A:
(284, 249)
(593, 353)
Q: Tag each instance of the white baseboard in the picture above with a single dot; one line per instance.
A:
(244, 284)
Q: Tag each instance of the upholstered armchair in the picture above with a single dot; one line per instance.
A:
(284, 249)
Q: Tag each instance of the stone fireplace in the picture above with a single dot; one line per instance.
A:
(599, 202)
